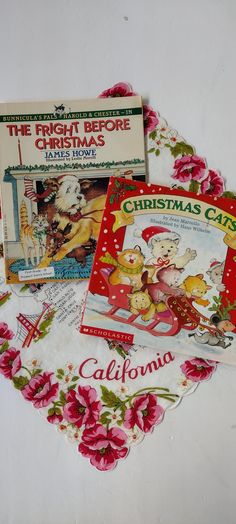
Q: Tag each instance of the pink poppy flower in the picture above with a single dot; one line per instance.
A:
(198, 369)
(120, 89)
(40, 390)
(10, 362)
(54, 419)
(213, 184)
(150, 119)
(82, 407)
(103, 447)
(5, 333)
(189, 167)
(145, 413)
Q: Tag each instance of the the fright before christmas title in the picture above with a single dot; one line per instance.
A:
(56, 135)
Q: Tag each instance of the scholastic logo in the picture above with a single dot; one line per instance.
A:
(107, 333)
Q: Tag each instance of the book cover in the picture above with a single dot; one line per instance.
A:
(56, 159)
(164, 271)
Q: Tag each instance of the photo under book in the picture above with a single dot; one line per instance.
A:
(56, 160)
(164, 271)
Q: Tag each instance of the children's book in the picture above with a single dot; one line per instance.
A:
(165, 271)
(56, 160)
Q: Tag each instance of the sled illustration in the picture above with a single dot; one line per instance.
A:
(180, 313)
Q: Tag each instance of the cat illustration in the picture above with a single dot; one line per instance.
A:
(195, 288)
(216, 272)
(141, 304)
(129, 266)
(167, 285)
(32, 236)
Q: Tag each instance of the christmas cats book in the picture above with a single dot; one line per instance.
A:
(56, 160)
(164, 271)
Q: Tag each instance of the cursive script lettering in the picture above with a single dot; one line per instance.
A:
(89, 368)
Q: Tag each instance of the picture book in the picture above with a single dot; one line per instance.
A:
(56, 159)
(164, 271)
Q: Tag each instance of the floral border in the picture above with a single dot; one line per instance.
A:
(104, 423)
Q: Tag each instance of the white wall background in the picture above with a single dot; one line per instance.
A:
(180, 55)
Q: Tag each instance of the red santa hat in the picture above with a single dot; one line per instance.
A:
(157, 232)
(214, 263)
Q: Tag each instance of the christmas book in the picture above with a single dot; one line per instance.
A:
(56, 160)
(164, 271)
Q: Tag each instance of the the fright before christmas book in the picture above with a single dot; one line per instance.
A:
(56, 160)
(164, 271)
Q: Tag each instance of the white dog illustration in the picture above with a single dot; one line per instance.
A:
(69, 198)
(80, 219)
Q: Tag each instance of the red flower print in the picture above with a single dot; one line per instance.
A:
(145, 413)
(120, 89)
(198, 369)
(10, 362)
(54, 419)
(150, 119)
(82, 407)
(189, 167)
(5, 333)
(103, 447)
(213, 184)
(40, 391)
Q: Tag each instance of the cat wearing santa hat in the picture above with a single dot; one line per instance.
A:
(215, 272)
(164, 245)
